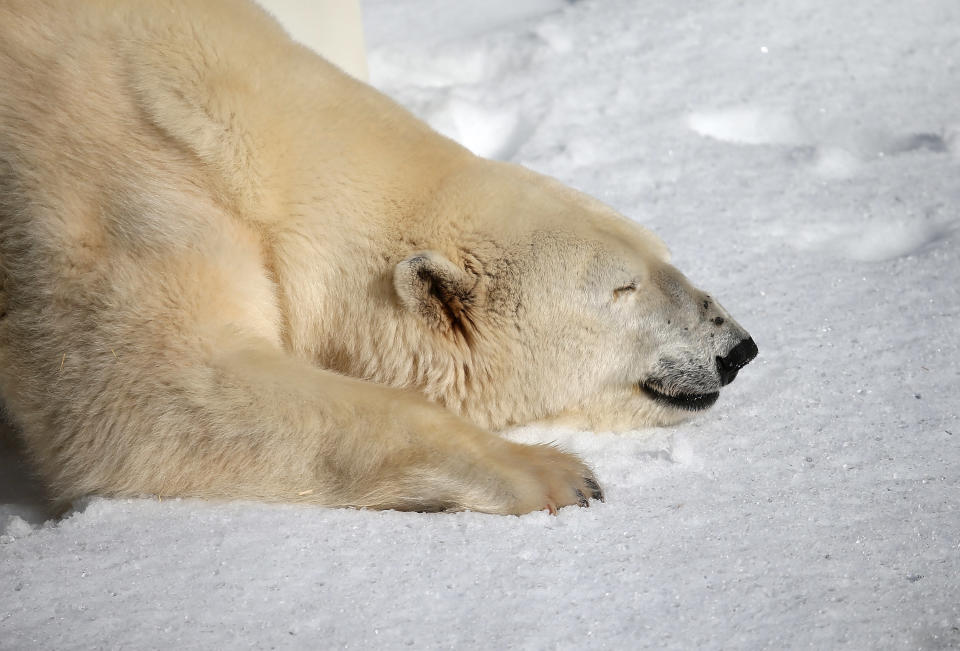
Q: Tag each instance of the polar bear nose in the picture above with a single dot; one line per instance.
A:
(738, 357)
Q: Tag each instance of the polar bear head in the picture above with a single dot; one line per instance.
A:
(546, 304)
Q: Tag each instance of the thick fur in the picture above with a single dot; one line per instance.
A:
(230, 270)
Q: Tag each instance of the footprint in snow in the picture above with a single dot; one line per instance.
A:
(750, 125)
(489, 131)
(876, 242)
(869, 242)
(759, 125)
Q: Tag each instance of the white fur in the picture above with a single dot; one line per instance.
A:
(230, 270)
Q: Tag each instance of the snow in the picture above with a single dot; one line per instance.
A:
(801, 158)
(752, 125)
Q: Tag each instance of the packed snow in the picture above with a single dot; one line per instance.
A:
(802, 159)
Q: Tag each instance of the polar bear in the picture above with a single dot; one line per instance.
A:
(232, 271)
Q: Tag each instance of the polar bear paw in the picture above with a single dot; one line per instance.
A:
(544, 477)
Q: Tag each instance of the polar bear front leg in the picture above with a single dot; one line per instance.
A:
(244, 420)
(377, 447)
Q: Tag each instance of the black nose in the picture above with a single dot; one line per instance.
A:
(736, 359)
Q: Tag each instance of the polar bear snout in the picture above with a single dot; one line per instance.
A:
(686, 384)
(738, 357)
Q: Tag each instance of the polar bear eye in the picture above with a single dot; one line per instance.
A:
(620, 291)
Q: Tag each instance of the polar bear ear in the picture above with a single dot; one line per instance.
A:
(430, 285)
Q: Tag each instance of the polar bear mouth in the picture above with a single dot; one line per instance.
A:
(684, 400)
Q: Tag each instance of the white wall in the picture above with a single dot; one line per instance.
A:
(334, 28)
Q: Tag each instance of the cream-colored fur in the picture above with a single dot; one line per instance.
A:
(232, 271)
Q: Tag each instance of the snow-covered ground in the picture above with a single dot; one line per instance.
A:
(802, 158)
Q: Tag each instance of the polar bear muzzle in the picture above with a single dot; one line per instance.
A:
(680, 389)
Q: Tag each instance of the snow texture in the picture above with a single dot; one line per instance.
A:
(802, 158)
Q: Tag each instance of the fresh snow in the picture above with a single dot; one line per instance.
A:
(802, 159)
